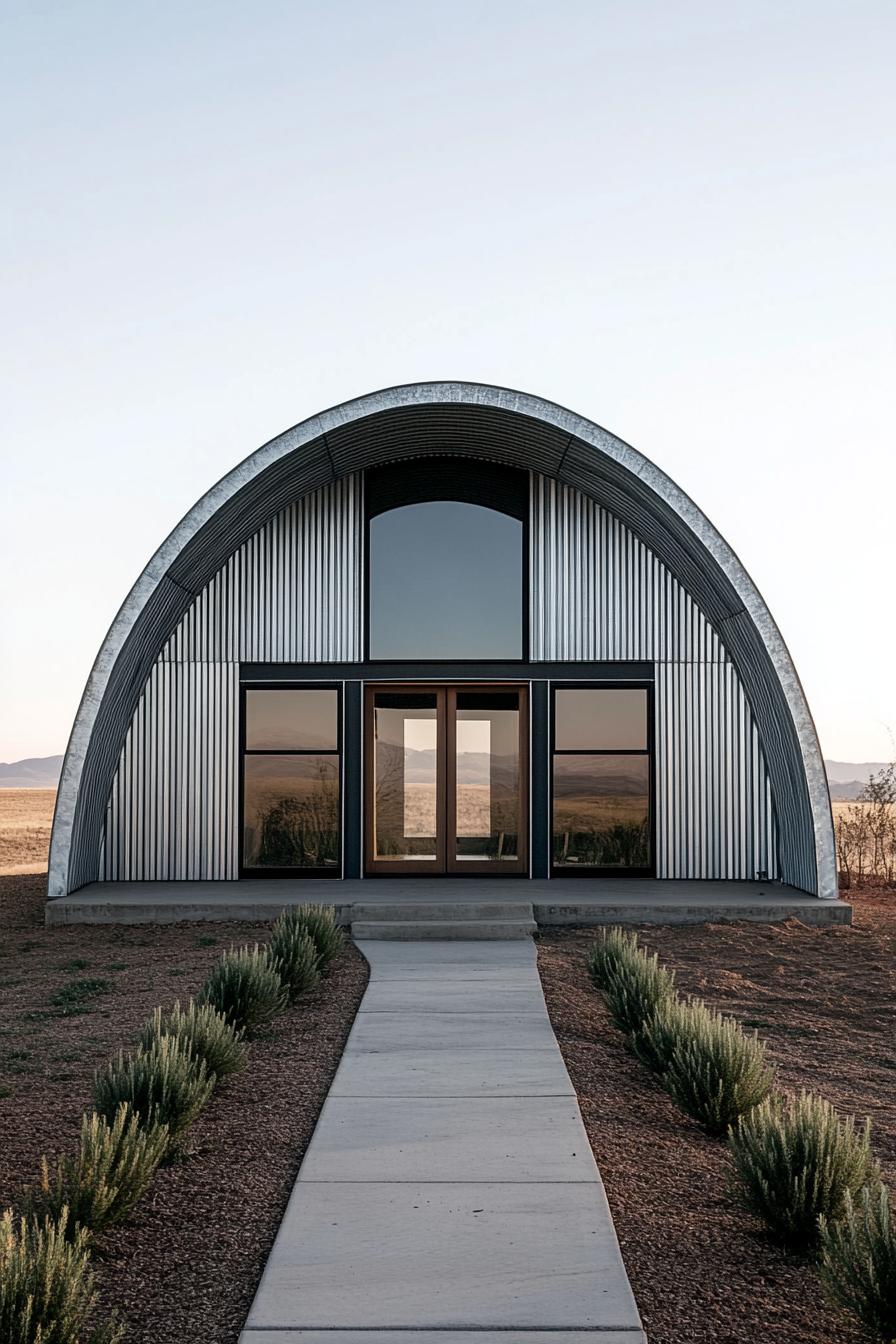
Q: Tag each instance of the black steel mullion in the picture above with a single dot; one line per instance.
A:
(352, 841)
(565, 676)
(539, 780)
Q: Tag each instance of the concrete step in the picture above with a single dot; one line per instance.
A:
(407, 930)
(418, 910)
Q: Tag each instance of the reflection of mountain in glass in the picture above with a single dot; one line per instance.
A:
(473, 767)
(296, 720)
(601, 811)
(406, 798)
(575, 778)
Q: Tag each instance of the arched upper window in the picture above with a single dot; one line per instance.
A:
(446, 547)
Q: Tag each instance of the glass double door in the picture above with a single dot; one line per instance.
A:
(446, 788)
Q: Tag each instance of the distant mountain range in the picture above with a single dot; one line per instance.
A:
(846, 779)
(419, 766)
(38, 772)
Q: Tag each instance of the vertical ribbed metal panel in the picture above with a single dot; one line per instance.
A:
(597, 593)
(291, 593)
(172, 810)
(714, 813)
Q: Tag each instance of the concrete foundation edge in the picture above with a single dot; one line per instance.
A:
(69, 910)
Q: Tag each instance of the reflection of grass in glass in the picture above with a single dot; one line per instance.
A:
(625, 844)
(487, 818)
(503, 845)
(302, 832)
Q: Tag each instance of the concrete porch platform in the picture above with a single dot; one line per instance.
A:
(571, 901)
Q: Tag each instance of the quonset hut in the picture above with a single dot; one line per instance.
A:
(443, 630)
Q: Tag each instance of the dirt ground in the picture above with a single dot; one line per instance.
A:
(26, 816)
(184, 1268)
(825, 1001)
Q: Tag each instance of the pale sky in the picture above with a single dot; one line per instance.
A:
(676, 219)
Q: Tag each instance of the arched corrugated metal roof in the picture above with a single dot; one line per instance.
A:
(462, 420)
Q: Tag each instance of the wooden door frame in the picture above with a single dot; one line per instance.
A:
(454, 866)
(412, 867)
(444, 865)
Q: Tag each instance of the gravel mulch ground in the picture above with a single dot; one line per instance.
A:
(186, 1265)
(825, 1000)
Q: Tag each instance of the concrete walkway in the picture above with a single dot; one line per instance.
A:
(449, 1194)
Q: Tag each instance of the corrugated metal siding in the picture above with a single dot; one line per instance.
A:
(714, 812)
(597, 592)
(291, 593)
(173, 809)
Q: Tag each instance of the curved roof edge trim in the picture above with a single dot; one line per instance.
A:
(159, 599)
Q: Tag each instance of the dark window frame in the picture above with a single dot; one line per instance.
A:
(541, 677)
(298, 873)
(589, 870)
(485, 480)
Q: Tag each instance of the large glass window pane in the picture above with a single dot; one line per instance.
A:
(600, 719)
(487, 765)
(446, 581)
(291, 811)
(405, 777)
(292, 720)
(601, 811)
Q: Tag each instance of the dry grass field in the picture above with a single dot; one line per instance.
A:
(841, 808)
(599, 814)
(26, 816)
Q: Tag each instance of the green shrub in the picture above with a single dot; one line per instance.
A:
(716, 1072)
(163, 1085)
(797, 1162)
(293, 954)
(673, 1020)
(47, 1292)
(245, 989)
(319, 922)
(858, 1267)
(633, 983)
(107, 1176)
(204, 1032)
(613, 946)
